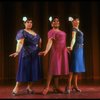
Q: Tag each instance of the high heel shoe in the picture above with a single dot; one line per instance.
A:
(67, 91)
(14, 93)
(30, 91)
(76, 89)
(45, 91)
(57, 90)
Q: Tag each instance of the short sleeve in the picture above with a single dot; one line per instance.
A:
(51, 34)
(20, 35)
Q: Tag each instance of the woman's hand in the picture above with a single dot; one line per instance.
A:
(14, 54)
(42, 53)
(69, 48)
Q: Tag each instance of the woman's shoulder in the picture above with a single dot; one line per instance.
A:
(50, 33)
(20, 31)
(50, 30)
(74, 29)
(62, 31)
(19, 34)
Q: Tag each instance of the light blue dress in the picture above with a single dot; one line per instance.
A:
(77, 57)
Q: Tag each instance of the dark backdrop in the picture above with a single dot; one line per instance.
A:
(11, 14)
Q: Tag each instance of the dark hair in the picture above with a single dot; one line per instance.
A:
(53, 17)
(76, 17)
(28, 19)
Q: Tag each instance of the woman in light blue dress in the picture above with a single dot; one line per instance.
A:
(77, 56)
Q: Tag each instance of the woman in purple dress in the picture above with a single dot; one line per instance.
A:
(58, 63)
(29, 66)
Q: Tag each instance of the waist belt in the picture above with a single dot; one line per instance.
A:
(79, 45)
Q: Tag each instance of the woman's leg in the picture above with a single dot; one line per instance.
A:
(70, 80)
(29, 85)
(45, 91)
(16, 88)
(68, 88)
(29, 88)
(56, 84)
(76, 82)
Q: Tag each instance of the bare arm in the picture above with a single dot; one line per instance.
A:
(18, 47)
(48, 46)
(73, 39)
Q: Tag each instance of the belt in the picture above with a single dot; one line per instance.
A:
(79, 45)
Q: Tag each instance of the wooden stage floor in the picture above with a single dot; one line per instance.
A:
(90, 90)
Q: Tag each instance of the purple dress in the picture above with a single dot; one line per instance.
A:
(58, 54)
(29, 65)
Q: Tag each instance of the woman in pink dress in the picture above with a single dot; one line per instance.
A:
(58, 64)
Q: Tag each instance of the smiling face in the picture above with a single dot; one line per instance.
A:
(76, 22)
(55, 23)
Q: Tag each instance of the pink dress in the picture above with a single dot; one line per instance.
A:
(58, 54)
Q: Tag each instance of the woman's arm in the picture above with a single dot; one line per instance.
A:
(48, 46)
(18, 47)
(73, 40)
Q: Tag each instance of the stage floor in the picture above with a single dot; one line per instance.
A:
(90, 90)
